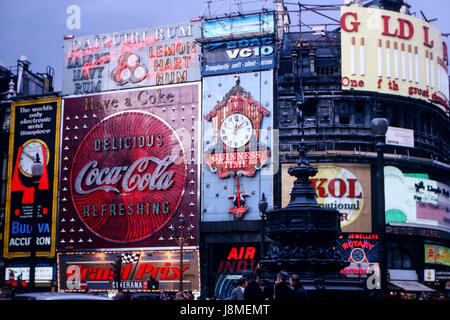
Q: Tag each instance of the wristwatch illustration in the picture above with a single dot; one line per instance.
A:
(28, 155)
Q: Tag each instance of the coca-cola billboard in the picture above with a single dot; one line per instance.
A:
(129, 167)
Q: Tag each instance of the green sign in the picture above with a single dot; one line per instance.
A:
(437, 254)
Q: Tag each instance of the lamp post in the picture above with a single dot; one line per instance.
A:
(262, 212)
(180, 239)
(379, 128)
(36, 172)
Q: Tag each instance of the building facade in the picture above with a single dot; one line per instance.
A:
(168, 137)
(339, 81)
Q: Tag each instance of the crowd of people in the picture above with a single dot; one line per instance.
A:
(251, 288)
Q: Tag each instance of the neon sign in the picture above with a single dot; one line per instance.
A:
(155, 56)
(235, 259)
(361, 250)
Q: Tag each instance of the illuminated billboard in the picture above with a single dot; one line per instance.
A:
(361, 250)
(237, 139)
(13, 275)
(129, 167)
(31, 207)
(343, 187)
(436, 254)
(93, 270)
(229, 260)
(393, 53)
(415, 200)
(143, 57)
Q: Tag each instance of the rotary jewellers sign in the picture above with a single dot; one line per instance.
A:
(126, 169)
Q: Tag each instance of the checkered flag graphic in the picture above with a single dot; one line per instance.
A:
(130, 257)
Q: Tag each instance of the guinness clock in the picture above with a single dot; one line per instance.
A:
(236, 130)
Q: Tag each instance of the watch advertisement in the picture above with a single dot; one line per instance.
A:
(237, 139)
(361, 250)
(129, 168)
(31, 208)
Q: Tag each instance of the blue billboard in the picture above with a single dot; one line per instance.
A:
(248, 54)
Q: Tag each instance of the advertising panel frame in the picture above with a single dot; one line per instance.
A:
(78, 271)
(239, 55)
(437, 254)
(409, 55)
(14, 182)
(149, 96)
(347, 173)
(238, 25)
(219, 168)
(423, 204)
(132, 58)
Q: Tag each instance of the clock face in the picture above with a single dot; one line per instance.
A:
(28, 155)
(358, 255)
(236, 130)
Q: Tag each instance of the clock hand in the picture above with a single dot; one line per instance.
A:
(237, 129)
(31, 157)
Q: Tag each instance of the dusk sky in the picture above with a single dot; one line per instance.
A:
(35, 28)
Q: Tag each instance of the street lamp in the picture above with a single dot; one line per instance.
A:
(379, 128)
(262, 212)
(36, 172)
(180, 239)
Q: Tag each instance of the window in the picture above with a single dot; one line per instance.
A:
(399, 259)
(344, 113)
(359, 112)
(309, 108)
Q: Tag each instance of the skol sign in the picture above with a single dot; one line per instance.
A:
(343, 187)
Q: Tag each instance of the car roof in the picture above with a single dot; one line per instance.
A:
(58, 296)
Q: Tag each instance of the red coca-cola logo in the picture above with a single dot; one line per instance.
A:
(128, 176)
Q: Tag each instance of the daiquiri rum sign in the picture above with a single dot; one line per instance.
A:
(128, 167)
